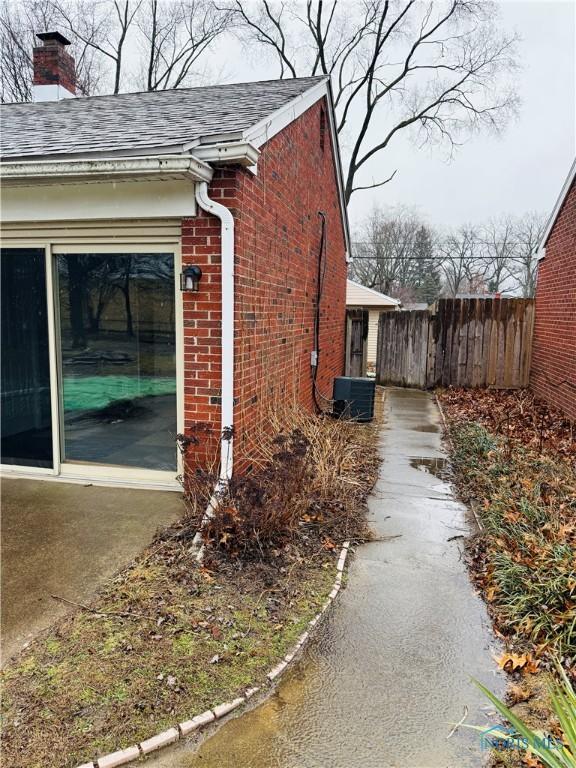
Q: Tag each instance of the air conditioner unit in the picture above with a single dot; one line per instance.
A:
(354, 398)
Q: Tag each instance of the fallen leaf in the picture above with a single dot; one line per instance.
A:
(518, 693)
(513, 661)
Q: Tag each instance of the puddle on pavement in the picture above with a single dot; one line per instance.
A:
(389, 671)
(436, 467)
(427, 428)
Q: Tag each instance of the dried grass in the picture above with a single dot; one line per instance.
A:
(309, 484)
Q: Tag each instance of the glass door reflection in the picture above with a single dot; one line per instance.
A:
(118, 359)
(25, 383)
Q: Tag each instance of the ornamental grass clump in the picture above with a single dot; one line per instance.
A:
(525, 557)
(306, 489)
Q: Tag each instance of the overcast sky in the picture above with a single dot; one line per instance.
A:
(521, 171)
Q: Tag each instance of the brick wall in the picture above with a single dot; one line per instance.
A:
(277, 242)
(554, 348)
(53, 65)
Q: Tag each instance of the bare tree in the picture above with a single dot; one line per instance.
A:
(437, 68)
(101, 25)
(19, 23)
(463, 267)
(528, 231)
(394, 253)
(498, 249)
(176, 34)
(173, 36)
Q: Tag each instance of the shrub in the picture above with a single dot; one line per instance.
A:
(308, 486)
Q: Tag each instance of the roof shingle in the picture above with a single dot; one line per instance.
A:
(141, 121)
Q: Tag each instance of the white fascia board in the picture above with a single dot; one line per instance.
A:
(237, 152)
(47, 171)
(264, 130)
(339, 172)
(556, 211)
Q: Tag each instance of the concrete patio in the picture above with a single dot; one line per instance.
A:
(66, 539)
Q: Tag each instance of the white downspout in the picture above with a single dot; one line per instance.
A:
(227, 269)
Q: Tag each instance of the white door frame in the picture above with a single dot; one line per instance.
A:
(100, 474)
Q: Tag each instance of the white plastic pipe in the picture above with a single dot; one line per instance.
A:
(227, 269)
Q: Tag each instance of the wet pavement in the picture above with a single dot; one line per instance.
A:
(389, 671)
(67, 539)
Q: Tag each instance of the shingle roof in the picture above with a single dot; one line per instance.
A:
(143, 121)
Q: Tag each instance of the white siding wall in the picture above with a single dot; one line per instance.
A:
(373, 316)
(372, 341)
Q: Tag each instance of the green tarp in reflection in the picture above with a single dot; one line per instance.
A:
(93, 392)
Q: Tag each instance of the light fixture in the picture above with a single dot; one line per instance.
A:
(190, 278)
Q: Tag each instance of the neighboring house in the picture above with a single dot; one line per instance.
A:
(360, 297)
(553, 370)
(160, 265)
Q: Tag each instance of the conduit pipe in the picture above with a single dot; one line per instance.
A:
(227, 278)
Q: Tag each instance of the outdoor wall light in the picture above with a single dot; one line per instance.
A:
(190, 278)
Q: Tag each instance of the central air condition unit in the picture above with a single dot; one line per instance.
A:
(354, 398)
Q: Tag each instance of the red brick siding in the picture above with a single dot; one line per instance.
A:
(554, 349)
(277, 240)
(53, 65)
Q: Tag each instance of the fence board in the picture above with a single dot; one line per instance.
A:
(403, 348)
(464, 343)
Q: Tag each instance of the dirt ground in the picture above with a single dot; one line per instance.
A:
(168, 637)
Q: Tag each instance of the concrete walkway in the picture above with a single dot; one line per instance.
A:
(67, 539)
(390, 671)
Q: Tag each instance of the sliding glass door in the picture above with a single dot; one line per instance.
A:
(89, 363)
(26, 421)
(116, 330)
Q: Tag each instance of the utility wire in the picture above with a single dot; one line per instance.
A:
(440, 258)
(475, 241)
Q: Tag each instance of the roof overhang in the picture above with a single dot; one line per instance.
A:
(555, 213)
(192, 160)
(372, 298)
(228, 152)
(34, 172)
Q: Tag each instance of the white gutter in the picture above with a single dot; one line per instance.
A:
(22, 172)
(227, 394)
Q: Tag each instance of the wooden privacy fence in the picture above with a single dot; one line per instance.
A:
(461, 342)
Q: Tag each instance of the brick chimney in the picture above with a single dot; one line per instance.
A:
(54, 69)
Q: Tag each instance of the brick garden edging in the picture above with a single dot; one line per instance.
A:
(185, 728)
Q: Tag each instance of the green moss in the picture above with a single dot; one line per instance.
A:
(83, 725)
(53, 646)
(118, 692)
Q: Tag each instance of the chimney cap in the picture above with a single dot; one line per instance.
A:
(47, 37)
